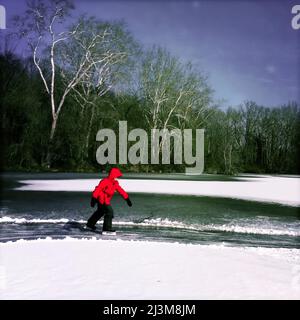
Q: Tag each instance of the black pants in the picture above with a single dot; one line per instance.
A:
(102, 210)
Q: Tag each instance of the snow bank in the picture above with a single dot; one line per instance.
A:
(283, 190)
(108, 269)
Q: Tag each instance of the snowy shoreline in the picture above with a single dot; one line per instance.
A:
(117, 269)
(281, 190)
(95, 268)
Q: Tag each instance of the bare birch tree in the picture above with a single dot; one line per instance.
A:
(173, 94)
(54, 50)
(172, 91)
(111, 50)
(39, 27)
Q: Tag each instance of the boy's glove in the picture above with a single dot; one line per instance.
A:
(129, 202)
(93, 202)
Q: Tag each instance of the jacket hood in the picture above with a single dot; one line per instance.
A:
(114, 173)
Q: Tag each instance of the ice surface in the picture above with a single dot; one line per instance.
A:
(277, 189)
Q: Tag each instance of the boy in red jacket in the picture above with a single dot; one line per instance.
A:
(102, 196)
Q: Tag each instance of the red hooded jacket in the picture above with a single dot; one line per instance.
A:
(108, 186)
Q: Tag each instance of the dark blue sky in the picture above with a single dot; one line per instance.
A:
(248, 49)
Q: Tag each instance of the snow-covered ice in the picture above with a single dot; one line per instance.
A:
(277, 189)
(108, 269)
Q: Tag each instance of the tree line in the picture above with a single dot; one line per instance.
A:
(92, 74)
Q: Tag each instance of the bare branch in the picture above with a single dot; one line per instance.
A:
(38, 65)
